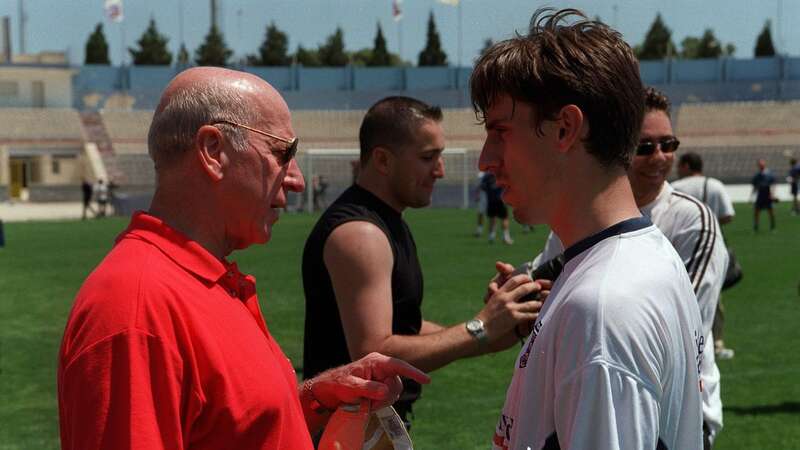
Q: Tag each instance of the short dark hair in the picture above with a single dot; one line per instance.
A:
(584, 63)
(693, 161)
(392, 123)
(655, 100)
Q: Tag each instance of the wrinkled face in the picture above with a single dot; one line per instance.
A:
(648, 173)
(413, 170)
(521, 159)
(260, 182)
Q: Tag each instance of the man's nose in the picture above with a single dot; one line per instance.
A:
(438, 171)
(294, 180)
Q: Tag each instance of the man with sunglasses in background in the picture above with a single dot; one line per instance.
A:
(166, 345)
(691, 228)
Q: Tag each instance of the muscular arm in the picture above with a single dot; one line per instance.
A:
(359, 260)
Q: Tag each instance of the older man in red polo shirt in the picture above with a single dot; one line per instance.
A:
(166, 346)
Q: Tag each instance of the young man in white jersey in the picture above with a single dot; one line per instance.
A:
(691, 229)
(713, 193)
(612, 362)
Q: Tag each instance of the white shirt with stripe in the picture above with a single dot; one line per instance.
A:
(613, 360)
(716, 197)
(695, 234)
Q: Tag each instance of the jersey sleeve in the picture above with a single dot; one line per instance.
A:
(125, 391)
(603, 407)
(724, 206)
(699, 245)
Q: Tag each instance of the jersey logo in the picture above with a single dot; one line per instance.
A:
(502, 435)
(700, 342)
(523, 359)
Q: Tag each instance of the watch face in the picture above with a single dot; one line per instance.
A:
(474, 326)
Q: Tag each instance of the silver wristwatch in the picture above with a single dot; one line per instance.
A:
(476, 329)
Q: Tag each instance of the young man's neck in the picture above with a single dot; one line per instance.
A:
(593, 207)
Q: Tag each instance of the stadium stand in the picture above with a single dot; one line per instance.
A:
(732, 136)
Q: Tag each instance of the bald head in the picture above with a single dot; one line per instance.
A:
(204, 96)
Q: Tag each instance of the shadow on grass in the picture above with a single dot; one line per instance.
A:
(781, 408)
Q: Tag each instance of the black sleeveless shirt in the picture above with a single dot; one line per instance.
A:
(324, 345)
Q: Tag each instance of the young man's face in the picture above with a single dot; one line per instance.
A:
(648, 173)
(521, 159)
(414, 170)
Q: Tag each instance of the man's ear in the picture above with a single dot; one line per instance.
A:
(209, 143)
(381, 158)
(571, 127)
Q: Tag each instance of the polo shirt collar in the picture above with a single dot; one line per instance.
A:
(188, 254)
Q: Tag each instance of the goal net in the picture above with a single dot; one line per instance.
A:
(328, 172)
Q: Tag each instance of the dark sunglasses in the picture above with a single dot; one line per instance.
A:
(284, 156)
(668, 145)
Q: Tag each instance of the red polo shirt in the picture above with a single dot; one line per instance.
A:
(166, 347)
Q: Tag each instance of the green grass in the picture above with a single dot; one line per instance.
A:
(44, 263)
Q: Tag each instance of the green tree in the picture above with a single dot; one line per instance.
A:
(361, 58)
(379, 55)
(730, 49)
(183, 56)
(432, 54)
(709, 46)
(689, 47)
(214, 51)
(487, 44)
(274, 49)
(97, 47)
(764, 47)
(332, 52)
(152, 48)
(307, 57)
(657, 42)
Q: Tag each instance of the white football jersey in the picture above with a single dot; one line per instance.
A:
(695, 234)
(716, 197)
(613, 359)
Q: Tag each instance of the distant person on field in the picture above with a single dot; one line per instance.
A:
(713, 193)
(794, 179)
(480, 196)
(320, 187)
(495, 208)
(86, 192)
(362, 279)
(101, 195)
(166, 346)
(612, 361)
(762, 183)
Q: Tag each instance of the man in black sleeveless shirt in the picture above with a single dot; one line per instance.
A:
(362, 279)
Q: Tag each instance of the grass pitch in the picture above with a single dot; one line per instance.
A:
(44, 263)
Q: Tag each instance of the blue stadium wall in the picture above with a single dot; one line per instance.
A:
(703, 80)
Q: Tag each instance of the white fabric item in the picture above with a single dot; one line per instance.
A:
(612, 362)
(717, 197)
(696, 236)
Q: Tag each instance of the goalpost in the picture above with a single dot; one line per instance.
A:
(328, 172)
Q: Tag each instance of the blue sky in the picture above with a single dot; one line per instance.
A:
(65, 24)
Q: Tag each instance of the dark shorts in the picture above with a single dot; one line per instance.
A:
(794, 189)
(763, 203)
(497, 209)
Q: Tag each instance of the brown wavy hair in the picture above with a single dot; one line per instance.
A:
(568, 59)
